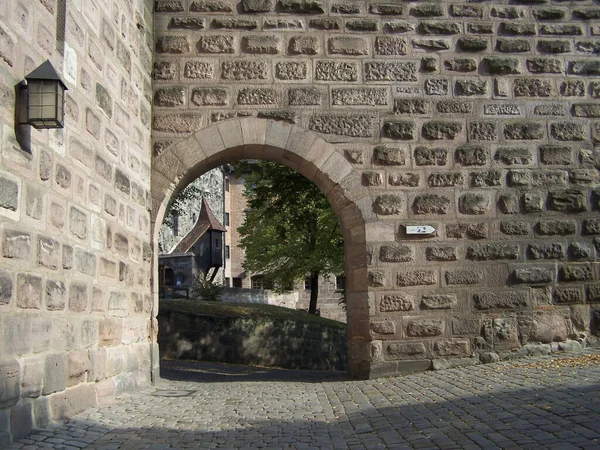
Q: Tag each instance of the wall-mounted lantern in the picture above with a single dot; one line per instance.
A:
(43, 98)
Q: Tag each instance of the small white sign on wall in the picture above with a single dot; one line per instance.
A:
(419, 229)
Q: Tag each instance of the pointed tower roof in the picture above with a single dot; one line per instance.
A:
(206, 221)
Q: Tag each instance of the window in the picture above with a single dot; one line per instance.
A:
(237, 282)
(307, 284)
(259, 282)
(227, 282)
(227, 184)
(227, 252)
(226, 219)
(175, 225)
(340, 283)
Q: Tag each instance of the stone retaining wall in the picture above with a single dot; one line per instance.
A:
(264, 342)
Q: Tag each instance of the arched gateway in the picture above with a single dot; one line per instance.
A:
(302, 150)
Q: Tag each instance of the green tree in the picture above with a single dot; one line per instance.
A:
(290, 229)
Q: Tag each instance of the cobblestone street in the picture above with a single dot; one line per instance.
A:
(547, 402)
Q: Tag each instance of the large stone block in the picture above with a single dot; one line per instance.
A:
(55, 373)
(396, 253)
(435, 130)
(390, 71)
(416, 278)
(342, 125)
(439, 301)
(359, 96)
(32, 374)
(388, 204)
(241, 70)
(10, 373)
(16, 244)
(396, 302)
(209, 96)
(501, 300)
(431, 204)
(425, 327)
(29, 291)
(336, 71)
(493, 252)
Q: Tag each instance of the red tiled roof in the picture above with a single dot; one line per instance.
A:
(206, 221)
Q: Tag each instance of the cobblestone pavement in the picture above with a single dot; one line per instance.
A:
(548, 402)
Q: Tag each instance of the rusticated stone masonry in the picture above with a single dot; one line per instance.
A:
(477, 119)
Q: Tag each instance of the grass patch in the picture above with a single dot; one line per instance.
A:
(244, 310)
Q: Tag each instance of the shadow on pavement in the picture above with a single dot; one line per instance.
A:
(214, 372)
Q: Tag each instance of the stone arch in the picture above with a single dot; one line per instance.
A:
(297, 148)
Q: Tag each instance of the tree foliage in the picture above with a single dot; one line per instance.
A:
(290, 229)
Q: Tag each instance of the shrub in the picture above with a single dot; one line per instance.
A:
(207, 290)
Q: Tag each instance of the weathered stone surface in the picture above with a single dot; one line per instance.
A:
(173, 44)
(336, 71)
(441, 253)
(573, 273)
(431, 204)
(561, 30)
(472, 44)
(512, 45)
(390, 45)
(325, 24)
(359, 96)
(304, 97)
(244, 70)
(438, 301)
(572, 88)
(187, 23)
(556, 227)
(501, 300)
(168, 6)
(176, 123)
(471, 155)
(389, 156)
(534, 275)
(257, 6)
(425, 156)
(405, 350)
(439, 28)
(209, 96)
(466, 277)
(470, 87)
(427, 10)
(474, 204)
(568, 131)
(301, 6)
(398, 27)
(410, 106)
(170, 97)
(514, 156)
(425, 327)
(291, 70)
(401, 130)
(372, 179)
(517, 29)
(9, 381)
(460, 65)
(533, 202)
(16, 244)
(514, 227)
(486, 179)
(390, 71)
(549, 13)
(454, 106)
(508, 203)
(304, 45)
(383, 327)
(216, 44)
(588, 67)
(347, 125)
(396, 302)
(437, 86)
(493, 252)
(533, 87)
(552, 109)
(258, 96)
(570, 200)
(55, 373)
(483, 131)
(362, 25)
(407, 179)
(436, 130)
(453, 349)
(261, 45)
(431, 44)
(590, 227)
(416, 278)
(556, 155)
(524, 131)
(469, 10)
(564, 295)
(445, 179)
(388, 204)
(544, 65)
(396, 253)
(546, 251)
(549, 178)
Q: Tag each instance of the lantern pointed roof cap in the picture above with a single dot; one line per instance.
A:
(45, 71)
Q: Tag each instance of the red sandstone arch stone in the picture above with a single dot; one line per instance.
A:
(297, 148)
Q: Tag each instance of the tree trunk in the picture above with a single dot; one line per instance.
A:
(314, 292)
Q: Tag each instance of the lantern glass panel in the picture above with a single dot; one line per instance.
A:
(45, 108)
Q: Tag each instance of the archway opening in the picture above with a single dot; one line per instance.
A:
(179, 165)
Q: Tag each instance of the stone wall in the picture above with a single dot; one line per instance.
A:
(478, 119)
(258, 341)
(75, 258)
